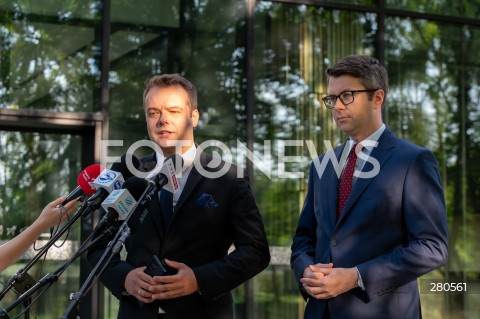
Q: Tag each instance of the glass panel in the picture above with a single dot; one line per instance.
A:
(34, 170)
(294, 46)
(204, 36)
(459, 8)
(434, 102)
(165, 13)
(49, 53)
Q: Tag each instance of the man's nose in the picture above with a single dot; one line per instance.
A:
(162, 118)
(338, 104)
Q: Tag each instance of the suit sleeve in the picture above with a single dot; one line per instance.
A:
(304, 241)
(424, 215)
(251, 254)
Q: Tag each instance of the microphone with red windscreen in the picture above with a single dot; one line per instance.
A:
(85, 182)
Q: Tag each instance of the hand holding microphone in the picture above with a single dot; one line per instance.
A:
(53, 215)
(88, 181)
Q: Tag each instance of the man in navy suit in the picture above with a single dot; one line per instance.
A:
(366, 234)
(213, 210)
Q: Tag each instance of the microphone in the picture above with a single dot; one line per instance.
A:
(136, 193)
(122, 201)
(120, 204)
(167, 177)
(138, 186)
(113, 178)
(107, 187)
(84, 181)
(105, 183)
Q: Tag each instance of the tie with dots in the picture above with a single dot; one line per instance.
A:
(345, 186)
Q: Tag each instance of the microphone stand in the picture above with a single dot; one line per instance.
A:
(22, 274)
(20, 287)
(51, 278)
(113, 247)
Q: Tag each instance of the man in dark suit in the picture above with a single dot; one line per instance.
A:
(365, 235)
(213, 210)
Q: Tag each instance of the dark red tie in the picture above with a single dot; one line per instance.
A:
(345, 186)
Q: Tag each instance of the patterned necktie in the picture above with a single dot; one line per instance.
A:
(345, 186)
(166, 205)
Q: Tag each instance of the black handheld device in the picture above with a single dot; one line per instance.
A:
(159, 268)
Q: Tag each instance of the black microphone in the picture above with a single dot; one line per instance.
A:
(123, 166)
(165, 179)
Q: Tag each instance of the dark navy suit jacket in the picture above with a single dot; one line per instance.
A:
(210, 215)
(393, 229)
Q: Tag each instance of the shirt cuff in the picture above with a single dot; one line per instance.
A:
(360, 281)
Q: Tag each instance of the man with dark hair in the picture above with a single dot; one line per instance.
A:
(194, 230)
(366, 233)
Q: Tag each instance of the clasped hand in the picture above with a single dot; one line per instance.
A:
(322, 281)
(147, 289)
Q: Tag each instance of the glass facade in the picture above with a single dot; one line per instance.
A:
(50, 55)
(260, 75)
(434, 103)
(34, 169)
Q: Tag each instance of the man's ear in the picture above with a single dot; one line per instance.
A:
(378, 98)
(195, 117)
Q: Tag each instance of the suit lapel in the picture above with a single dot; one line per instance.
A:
(382, 153)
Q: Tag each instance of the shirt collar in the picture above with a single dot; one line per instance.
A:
(373, 138)
(188, 157)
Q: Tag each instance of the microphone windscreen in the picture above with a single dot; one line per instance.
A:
(122, 167)
(87, 176)
(136, 186)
